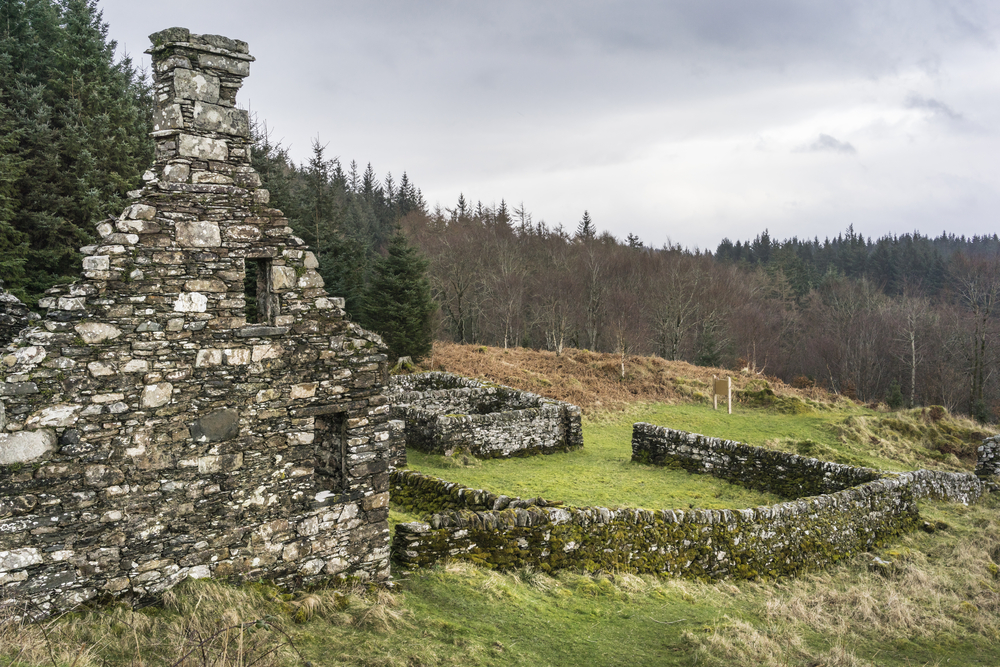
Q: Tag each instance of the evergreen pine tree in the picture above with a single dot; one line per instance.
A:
(82, 122)
(585, 231)
(399, 304)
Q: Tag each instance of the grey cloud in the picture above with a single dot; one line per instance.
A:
(825, 143)
(935, 107)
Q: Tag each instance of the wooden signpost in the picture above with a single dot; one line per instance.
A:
(722, 387)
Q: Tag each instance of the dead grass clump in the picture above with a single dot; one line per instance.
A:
(924, 437)
(736, 642)
(928, 587)
(199, 623)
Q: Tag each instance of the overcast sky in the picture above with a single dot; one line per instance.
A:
(683, 121)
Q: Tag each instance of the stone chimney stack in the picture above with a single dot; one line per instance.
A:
(201, 137)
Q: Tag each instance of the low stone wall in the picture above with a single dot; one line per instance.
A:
(782, 473)
(443, 413)
(846, 510)
(713, 544)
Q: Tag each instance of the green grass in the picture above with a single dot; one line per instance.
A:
(601, 474)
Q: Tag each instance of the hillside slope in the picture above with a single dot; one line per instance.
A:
(593, 380)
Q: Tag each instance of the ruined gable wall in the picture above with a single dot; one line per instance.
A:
(151, 433)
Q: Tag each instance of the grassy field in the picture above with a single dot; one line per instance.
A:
(601, 474)
(933, 600)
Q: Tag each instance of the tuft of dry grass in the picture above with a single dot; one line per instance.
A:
(198, 623)
(927, 437)
(936, 586)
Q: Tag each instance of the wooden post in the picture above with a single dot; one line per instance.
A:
(720, 387)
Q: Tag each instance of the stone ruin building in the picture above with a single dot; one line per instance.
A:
(153, 426)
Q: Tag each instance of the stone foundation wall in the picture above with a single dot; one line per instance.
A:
(155, 427)
(861, 508)
(443, 413)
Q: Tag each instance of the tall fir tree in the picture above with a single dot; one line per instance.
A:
(82, 121)
(399, 304)
(585, 230)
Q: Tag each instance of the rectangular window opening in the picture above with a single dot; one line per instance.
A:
(259, 302)
(330, 450)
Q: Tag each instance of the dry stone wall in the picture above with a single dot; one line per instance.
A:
(835, 512)
(988, 459)
(443, 413)
(781, 473)
(155, 428)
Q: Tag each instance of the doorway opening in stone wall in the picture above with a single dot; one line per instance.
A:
(330, 446)
(259, 306)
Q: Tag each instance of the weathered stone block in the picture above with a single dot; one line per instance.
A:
(230, 65)
(96, 263)
(202, 148)
(156, 395)
(282, 278)
(168, 118)
(19, 558)
(191, 302)
(217, 426)
(307, 390)
(96, 332)
(226, 463)
(269, 351)
(26, 446)
(215, 118)
(237, 356)
(311, 279)
(55, 416)
(242, 233)
(213, 177)
(208, 357)
(205, 285)
(100, 369)
(140, 212)
(194, 85)
(176, 172)
(135, 366)
(198, 234)
(17, 388)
